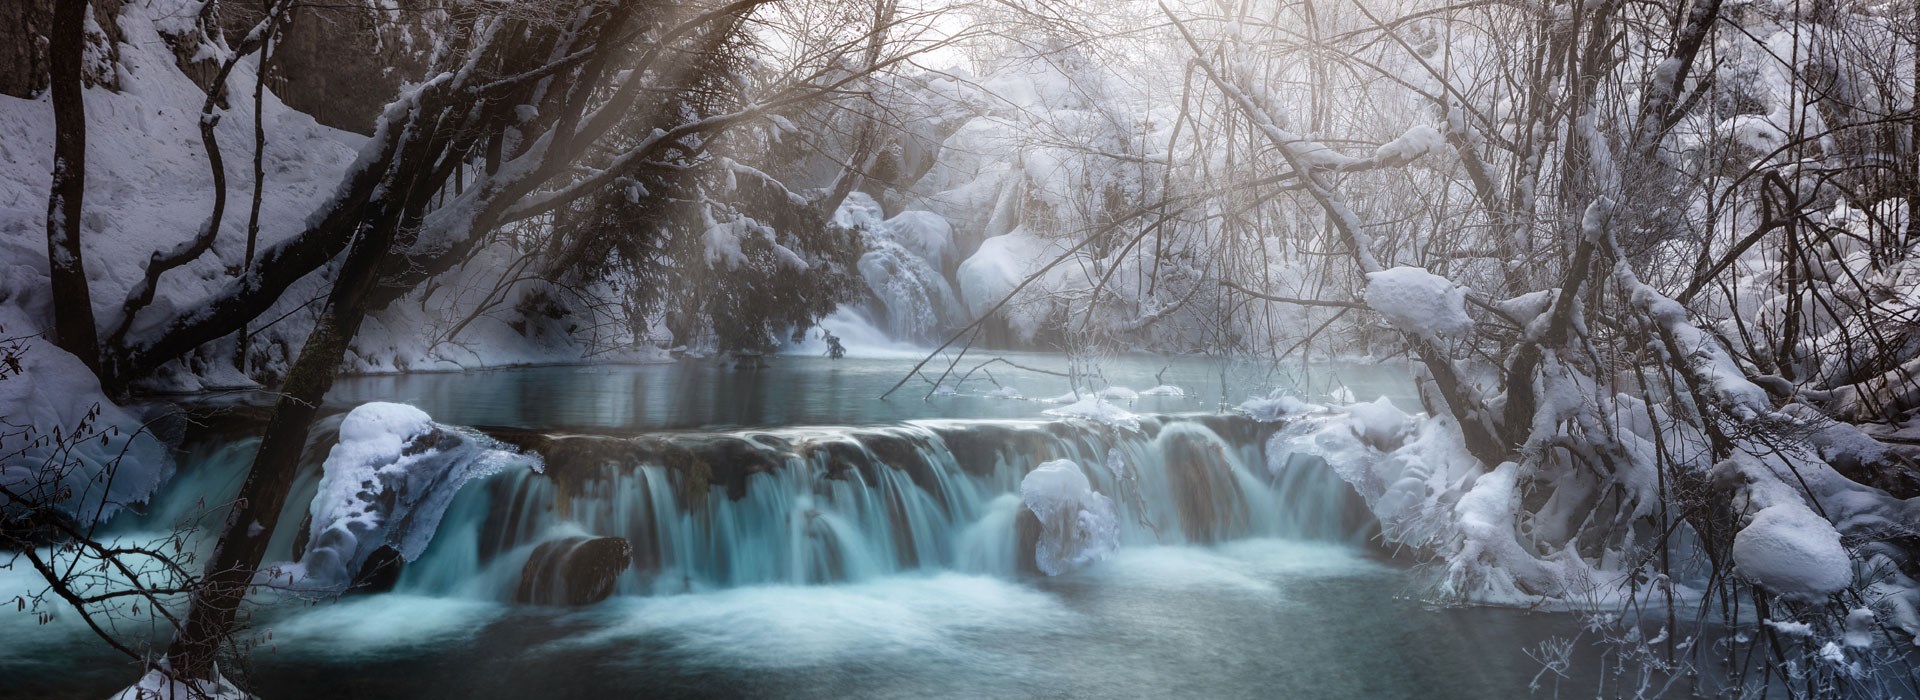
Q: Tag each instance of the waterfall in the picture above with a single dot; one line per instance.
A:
(705, 511)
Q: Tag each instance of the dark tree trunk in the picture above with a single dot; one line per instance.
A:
(73, 327)
(249, 527)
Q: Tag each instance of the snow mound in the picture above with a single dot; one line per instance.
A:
(1793, 552)
(1380, 425)
(1164, 390)
(1276, 407)
(1419, 302)
(1077, 525)
(386, 483)
(66, 443)
(1096, 409)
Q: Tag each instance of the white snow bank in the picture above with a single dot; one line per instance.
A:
(1419, 302)
(1793, 552)
(387, 482)
(80, 452)
(1096, 409)
(1077, 525)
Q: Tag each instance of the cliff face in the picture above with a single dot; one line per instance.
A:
(23, 45)
(340, 63)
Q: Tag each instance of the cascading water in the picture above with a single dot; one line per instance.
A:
(905, 269)
(706, 511)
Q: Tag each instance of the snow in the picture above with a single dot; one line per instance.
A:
(155, 685)
(1419, 302)
(386, 482)
(1164, 390)
(1792, 552)
(1380, 424)
(1276, 406)
(1790, 628)
(51, 397)
(1416, 142)
(1118, 393)
(1860, 628)
(1096, 409)
(1000, 264)
(1077, 525)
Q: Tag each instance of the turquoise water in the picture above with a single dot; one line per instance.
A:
(1263, 590)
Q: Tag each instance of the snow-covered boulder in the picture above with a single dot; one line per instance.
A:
(1077, 524)
(387, 482)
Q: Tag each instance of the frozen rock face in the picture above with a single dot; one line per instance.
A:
(1792, 552)
(904, 267)
(386, 483)
(1077, 525)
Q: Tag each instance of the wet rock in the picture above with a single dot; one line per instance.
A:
(1026, 534)
(380, 572)
(573, 571)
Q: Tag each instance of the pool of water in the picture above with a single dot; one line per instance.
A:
(1259, 616)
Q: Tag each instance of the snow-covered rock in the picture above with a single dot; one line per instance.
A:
(1077, 524)
(387, 482)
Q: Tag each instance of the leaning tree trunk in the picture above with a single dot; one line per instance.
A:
(249, 526)
(73, 328)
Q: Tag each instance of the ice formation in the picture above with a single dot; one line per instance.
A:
(1077, 524)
